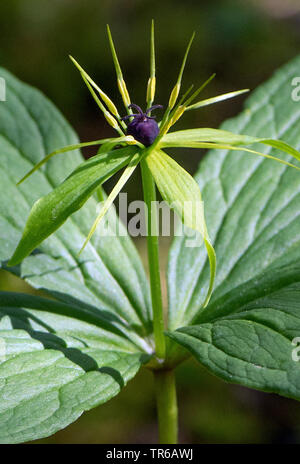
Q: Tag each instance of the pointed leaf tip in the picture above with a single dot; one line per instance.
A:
(218, 98)
(52, 210)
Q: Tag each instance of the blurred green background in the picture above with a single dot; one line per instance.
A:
(243, 42)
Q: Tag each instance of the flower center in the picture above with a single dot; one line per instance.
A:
(143, 127)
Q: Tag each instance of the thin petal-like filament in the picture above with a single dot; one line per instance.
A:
(218, 98)
(65, 150)
(113, 194)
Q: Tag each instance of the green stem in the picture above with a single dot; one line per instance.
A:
(166, 401)
(153, 258)
(165, 387)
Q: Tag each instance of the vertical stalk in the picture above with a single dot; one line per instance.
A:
(165, 387)
(153, 258)
(166, 401)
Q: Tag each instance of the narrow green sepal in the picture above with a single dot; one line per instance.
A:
(217, 99)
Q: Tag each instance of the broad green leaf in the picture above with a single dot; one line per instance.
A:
(183, 195)
(178, 189)
(52, 210)
(54, 365)
(194, 138)
(183, 137)
(250, 337)
(252, 210)
(109, 274)
(110, 329)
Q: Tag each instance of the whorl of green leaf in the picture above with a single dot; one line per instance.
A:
(181, 192)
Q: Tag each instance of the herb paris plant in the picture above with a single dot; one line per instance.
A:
(145, 129)
(119, 335)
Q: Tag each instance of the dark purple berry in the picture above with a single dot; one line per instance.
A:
(143, 128)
